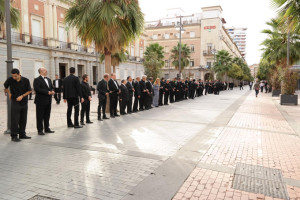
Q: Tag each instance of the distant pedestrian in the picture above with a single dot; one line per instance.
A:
(18, 88)
(262, 85)
(256, 88)
(57, 84)
(156, 94)
(250, 85)
(241, 85)
(266, 87)
(87, 96)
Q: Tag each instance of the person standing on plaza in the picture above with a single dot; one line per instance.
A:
(144, 93)
(43, 100)
(173, 90)
(114, 89)
(18, 88)
(149, 88)
(266, 87)
(250, 85)
(131, 91)
(161, 92)
(137, 94)
(87, 96)
(241, 85)
(103, 93)
(57, 84)
(256, 88)
(156, 92)
(71, 95)
(124, 97)
(262, 85)
(167, 89)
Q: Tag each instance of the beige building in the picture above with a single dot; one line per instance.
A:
(203, 33)
(254, 70)
(43, 41)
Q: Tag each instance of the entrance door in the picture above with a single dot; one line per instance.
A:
(95, 75)
(62, 71)
(80, 72)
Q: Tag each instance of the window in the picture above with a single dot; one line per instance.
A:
(208, 65)
(192, 34)
(167, 49)
(132, 50)
(166, 63)
(36, 28)
(167, 36)
(37, 65)
(192, 63)
(154, 37)
(141, 52)
(192, 48)
(209, 47)
(61, 34)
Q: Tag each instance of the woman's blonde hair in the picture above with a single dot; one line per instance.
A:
(157, 81)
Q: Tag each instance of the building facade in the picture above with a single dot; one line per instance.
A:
(239, 37)
(203, 32)
(43, 41)
(254, 70)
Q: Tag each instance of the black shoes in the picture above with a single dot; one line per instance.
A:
(70, 125)
(99, 119)
(89, 122)
(49, 131)
(105, 118)
(24, 137)
(82, 123)
(116, 115)
(15, 139)
(112, 116)
(77, 126)
(41, 133)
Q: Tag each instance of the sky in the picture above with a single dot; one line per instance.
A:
(252, 14)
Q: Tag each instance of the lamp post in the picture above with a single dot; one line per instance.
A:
(9, 62)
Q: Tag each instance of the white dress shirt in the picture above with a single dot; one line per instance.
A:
(46, 80)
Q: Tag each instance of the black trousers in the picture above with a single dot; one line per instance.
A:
(143, 101)
(43, 116)
(172, 97)
(123, 106)
(57, 96)
(73, 102)
(129, 105)
(113, 105)
(101, 107)
(166, 98)
(136, 103)
(206, 90)
(149, 100)
(18, 118)
(85, 110)
(192, 94)
(160, 99)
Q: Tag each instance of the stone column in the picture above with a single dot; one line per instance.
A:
(52, 68)
(50, 21)
(54, 22)
(25, 20)
(76, 67)
(57, 65)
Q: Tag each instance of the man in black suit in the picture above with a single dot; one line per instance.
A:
(137, 94)
(149, 98)
(87, 96)
(71, 95)
(114, 91)
(167, 89)
(57, 85)
(131, 91)
(43, 100)
(124, 97)
(103, 92)
(161, 91)
(144, 93)
(18, 88)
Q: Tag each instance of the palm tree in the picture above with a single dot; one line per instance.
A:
(153, 60)
(116, 58)
(185, 56)
(275, 46)
(223, 63)
(111, 24)
(14, 13)
(289, 13)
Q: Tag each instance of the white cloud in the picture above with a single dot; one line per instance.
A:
(252, 14)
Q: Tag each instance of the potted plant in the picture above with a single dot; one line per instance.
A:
(275, 83)
(289, 85)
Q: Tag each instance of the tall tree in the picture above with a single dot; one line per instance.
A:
(116, 58)
(14, 13)
(223, 63)
(111, 24)
(185, 56)
(153, 60)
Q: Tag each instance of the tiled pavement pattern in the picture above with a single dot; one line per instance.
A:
(105, 160)
(257, 134)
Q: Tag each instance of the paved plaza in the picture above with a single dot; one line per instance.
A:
(195, 149)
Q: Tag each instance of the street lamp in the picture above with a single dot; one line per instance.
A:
(179, 27)
(9, 62)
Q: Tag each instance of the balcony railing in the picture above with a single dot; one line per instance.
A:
(82, 49)
(64, 45)
(38, 41)
(16, 37)
(207, 53)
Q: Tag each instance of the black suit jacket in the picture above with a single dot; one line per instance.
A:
(85, 90)
(102, 89)
(143, 87)
(42, 90)
(149, 87)
(124, 93)
(113, 88)
(60, 84)
(137, 89)
(130, 89)
(71, 87)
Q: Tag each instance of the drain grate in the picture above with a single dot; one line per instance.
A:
(39, 197)
(260, 180)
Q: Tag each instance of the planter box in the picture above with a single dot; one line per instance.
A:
(288, 99)
(276, 93)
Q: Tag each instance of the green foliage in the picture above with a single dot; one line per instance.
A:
(235, 72)
(223, 63)
(154, 60)
(185, 56)
(275, 78)
(110, 24)
(14, 13)
(116, 58)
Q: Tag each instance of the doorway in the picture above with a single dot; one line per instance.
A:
(62, 70)
(95, 75)
(80, 71)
